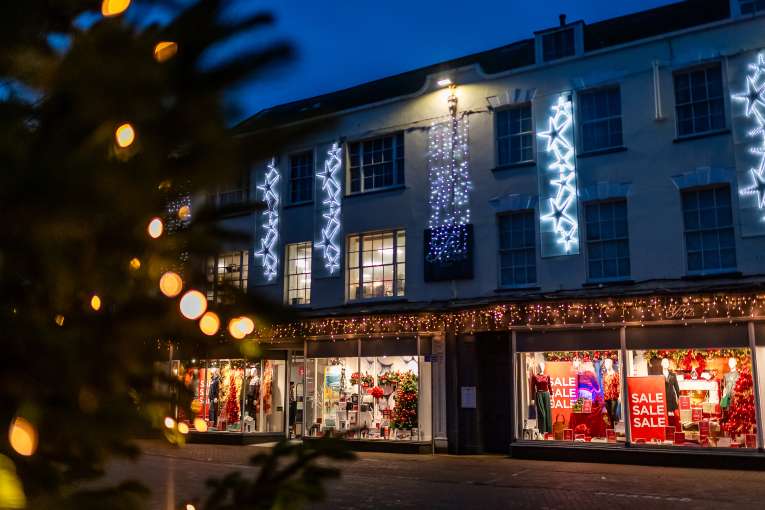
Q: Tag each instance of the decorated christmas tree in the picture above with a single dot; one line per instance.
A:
(405, 411)
(231, 411)
(741, 418)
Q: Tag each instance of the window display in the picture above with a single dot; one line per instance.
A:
(692, 397)
(572, 396)
(375, 396)
(235, 395)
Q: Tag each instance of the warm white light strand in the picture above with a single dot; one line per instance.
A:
(561, 206)
(330, 185)
(755, 109)
(267, 251)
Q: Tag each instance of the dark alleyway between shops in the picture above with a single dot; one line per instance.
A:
(380, 481)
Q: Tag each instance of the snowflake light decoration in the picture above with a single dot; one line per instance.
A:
(267, 251)
(330, 185)
(558, 180)
(754, 99)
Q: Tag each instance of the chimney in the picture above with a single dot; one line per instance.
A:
(562, 18)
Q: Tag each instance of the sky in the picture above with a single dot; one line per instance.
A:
(341, 43)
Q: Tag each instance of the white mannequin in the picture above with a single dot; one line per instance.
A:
(541, 367)
(732, 364)
(609, 364)
(665, 367)
(576, 363)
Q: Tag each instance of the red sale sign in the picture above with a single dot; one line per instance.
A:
(648, 407)
(563, 382)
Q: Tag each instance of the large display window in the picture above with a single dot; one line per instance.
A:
(571, 396)
(369, 389)
(702, 397)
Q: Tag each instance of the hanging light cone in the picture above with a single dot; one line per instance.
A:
(170, 284)
(193, 304)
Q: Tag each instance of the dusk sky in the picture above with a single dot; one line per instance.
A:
(341, 43)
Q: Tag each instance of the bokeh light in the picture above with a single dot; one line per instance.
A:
(209, 323)
(184, 213)
(125, 135)
(114, 7)
(183, 428)
(169, 422)
(59, 320)
(200, 424)
(135, 264)
(23, 437)
(165, 50)
(240, 327)
(155, 228)
(95, 302)
(193, 304)
(170, 284)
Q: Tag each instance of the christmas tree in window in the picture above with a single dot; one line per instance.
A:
(741, 418)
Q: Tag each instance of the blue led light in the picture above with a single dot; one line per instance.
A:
(267, 251)
(755, 109)
(330, 185)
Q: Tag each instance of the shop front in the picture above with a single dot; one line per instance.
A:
(668, 388)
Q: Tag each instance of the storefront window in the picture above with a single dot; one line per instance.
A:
(571, 396)
(692, 397)
(382, 394)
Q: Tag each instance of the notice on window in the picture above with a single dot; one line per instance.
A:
(564, 392)
(468, 397)
(648, 407)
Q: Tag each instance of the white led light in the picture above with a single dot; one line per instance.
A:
(558, 180)
(443, 82)
(755, 109)
(267, 251)
(449, 179)
(330, 184)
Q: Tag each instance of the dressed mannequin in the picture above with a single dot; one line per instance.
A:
(541, 387)
(671, 390)
(611, 390)
(729, 382)
(213, 397)
(587, 381)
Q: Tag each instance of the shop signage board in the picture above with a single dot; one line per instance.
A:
(564, 391)
(648, 407)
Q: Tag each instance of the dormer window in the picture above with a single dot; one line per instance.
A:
(558, 44)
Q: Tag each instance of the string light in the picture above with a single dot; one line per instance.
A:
(155, 228)
(755, 109)
(267, 251)
(114, 7)
(95, 302)
(22, 436)
(193, 304)
(59, 320)
(209, 324)
(165, 50)
(557, 186)
(124, 135)
(170, 284)
(449, 179)
(135, 264)
(332, 188)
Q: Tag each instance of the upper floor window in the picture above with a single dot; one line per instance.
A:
(228, 269)
(298, 274)
(377, 163)
(517, 249)
(515, 137)
(376, 265)
(301, 177)
(709, 238)
(751, 6)
(558, 44)
(600, 118)
(608, 251)
(699, 101)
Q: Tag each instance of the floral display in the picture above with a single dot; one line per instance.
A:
(582, 355)
(366, 379)
(377, 392)
(690, 359)
(405, 411)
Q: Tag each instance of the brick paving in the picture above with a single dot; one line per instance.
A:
(381, 481)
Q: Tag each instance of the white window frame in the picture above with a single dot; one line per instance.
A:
(288, 275)
(360, 267)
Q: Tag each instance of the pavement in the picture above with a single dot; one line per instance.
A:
(381, 481)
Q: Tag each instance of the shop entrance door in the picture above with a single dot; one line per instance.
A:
(494, 385)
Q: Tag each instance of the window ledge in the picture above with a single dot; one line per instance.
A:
(297, 204)
(706, 134)
(712, 275)
(608, 283)
(397, 187)
(601, 152)
(376, 301)
(512, 166)
(517, 288)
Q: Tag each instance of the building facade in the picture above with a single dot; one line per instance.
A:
(554, 242)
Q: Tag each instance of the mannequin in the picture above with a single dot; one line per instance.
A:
(541, 388)
(729, 382)
(611, 390)
(213, 397)
(671, 389)
(587, 382)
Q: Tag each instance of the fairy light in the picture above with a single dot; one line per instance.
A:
(330, 185)
(449, 179)
(755, 109)
(267, 252)
(559, 226)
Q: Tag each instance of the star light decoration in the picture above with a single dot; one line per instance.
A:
(755, 109)
(330, 185)
(561, 205)
(267, 251)
(449, 178)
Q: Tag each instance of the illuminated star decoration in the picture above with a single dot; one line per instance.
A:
(755, 109)
(330, 185)
(562, 202)
(449, 180)
(267, 251)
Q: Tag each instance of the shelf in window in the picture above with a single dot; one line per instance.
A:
(397, 187)
(601, 152)
(705, 134)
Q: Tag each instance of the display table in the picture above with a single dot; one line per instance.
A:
(596, 421)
